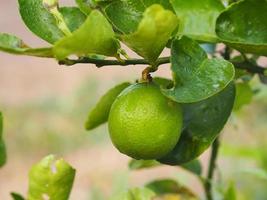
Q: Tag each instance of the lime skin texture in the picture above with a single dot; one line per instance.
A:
(143, 123)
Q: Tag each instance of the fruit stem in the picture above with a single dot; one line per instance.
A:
(146, 76)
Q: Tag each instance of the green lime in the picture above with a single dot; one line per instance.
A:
(143, 123)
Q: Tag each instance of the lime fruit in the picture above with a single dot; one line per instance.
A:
(143, 123)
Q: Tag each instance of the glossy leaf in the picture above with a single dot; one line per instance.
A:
(12, 44)
(85, 6)
(169, 186)
(73, 17)
(95, 36)
(193, 166)
(39, 20)
(126, 15)
(3, 155)
(50, 179)
(203, 122)
(198, 18)
(142, 164)
(243, 26)
(244, 95)
(196, 77)
(153, 33)
(99, 114)
(17, 196)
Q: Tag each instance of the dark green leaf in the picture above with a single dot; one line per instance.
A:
(50, 179)
(39, 20)
(126, 15)
(196, 77)
(142, 164)
(153, 33)
(95, 36)
(73, 17)
(169, 186)
(17, 196)
(203, 121)
(193, 166)
(198, 18)
(99, 114)
(243, 26)
(3, 155)
(244, 95)
(12, 44)
(85, 6)
(163, 82)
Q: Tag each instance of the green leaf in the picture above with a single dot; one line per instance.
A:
(169, 186)
(142, 164)
(50, 179)
(193, 166)
(196, 77)
(95, 36)
(12, 44)
(3, 155)
(203, 122)
(230, 193)
(73, 17)
(85, 6)
(17, 196)
(244, 95)
(198, 18)
(136, 194)
(163, 82)
(99, 114)
(39, 20)
(243, 26)
(126, 15)
(153, 33)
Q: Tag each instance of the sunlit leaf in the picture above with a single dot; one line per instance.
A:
(12, 44)
(126, 15)
(95, 36)
(136, 194)
(203, 122)
(198, 18)
(230, 193)
(243, 26)
(50, 179)
(153, 32)
(85, 6)
(99, 114)
(196, 77)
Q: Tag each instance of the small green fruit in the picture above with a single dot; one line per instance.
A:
(143, 123)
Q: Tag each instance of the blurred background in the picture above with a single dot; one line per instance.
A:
(45, 106)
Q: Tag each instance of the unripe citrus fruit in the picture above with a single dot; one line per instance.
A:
(143, 123)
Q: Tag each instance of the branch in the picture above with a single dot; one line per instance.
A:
(245, 65)
(101, 62)
(212, 167)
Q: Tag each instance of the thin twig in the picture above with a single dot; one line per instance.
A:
(101, 62)
(212, 167)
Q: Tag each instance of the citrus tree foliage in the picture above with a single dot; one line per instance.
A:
(207, 84)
